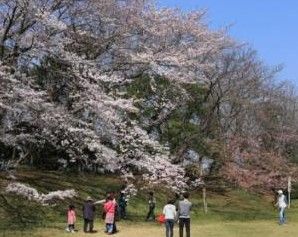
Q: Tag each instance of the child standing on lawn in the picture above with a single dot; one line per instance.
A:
(71, 219)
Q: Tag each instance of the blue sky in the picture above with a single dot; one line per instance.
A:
(269, 26)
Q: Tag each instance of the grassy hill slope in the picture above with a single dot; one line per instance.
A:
(16, 213)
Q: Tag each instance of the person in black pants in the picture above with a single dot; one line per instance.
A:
(122, 203)
(88, 215)
(184, 208)
(184, 222)
(151, 203)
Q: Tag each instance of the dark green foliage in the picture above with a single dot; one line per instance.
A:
(54, 76)
(192, 171)
(292, 152)
(178, 129)
(139, 88)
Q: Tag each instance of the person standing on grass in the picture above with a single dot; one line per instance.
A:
(178, 198)
(282, 205)
(71, 219)
(151, 205)
(184, 208)
(169, 211)
(110, 210)
(122, 203)
(112, 195)
(88, 215)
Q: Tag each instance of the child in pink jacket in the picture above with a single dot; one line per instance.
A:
(71, 219)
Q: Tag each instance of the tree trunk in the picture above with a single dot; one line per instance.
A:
(205, 201)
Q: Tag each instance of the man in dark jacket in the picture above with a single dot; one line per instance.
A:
(88, 214)
(122, 203)
(151, 205)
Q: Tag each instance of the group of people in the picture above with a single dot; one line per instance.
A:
(111, 210)
(179, 212)
(176, 210)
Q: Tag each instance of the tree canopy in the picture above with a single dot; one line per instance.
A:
(123, 86)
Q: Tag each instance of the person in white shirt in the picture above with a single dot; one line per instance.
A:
(169, 211)
(282, 205)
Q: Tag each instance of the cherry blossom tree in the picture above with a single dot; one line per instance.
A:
(66, 66)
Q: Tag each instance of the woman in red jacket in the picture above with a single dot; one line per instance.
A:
(110, 210)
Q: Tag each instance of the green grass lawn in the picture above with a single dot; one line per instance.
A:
(230, 213)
